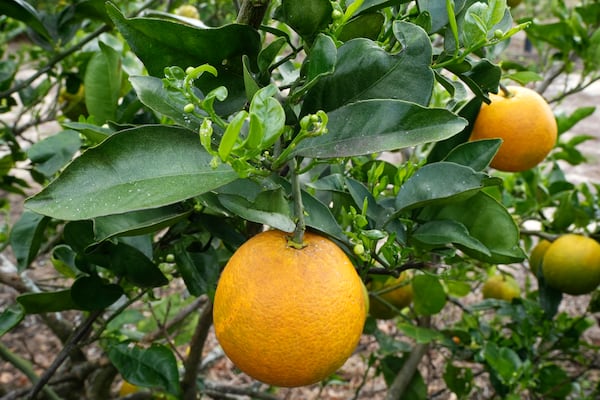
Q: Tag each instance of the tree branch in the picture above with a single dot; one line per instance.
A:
(252, 12)
(192, 363)
(402, 380)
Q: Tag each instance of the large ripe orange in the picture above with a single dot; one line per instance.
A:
(525, 123)
(571, 264)
(287, 316)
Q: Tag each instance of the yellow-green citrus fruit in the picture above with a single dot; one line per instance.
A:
(395, 291)
(502, 287)
(287, 316)
(127, 388)
(525, 123)
(537, 255)
(572, 264)
(513, 3)
(187, 11)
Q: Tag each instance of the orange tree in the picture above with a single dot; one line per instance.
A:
(179, 141)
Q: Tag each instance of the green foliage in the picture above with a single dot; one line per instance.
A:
(180, 138)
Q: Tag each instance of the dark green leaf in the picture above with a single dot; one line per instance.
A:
(170, 103)
(429, 296)
(11, 317)
(262, 203)
(63, 260)
(103, 84)
(24, 12)
(138, 222)
(322, 58)
(51, 154)
(92, 293)
(441, 149)
(491, 224)
(200, 271)
(442, 232)
(153, 367)
(93, 133)
(477, 154)
(159, 43)
(134, 169)
(440, 181)
(133, 264)
(504, 361)
(373, 126)
(554, 382)
(459, 380)
(365, 71)
(8, 70)
(365, 25)
(44, 302)
(306, 17)
(26, 237)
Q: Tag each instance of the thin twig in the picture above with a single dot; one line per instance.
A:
(183, 314)
(26, 368)
(79, 334)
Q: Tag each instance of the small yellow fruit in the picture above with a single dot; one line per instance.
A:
(502, 287)
(572, 264)
(187, 11)
(525, 123)
(287, 316)
(395, 291)
(537, 255)
(127, 388)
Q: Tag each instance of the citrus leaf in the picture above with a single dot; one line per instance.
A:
(306, 17)
(92, 293)
(442, 232)
(152, 92)
(154, 367)
(134, 169)
(54, 152)
(26, 237)
(157, 42)
(477, 154)
(263, 203)
(420, 334)
(200, 271)
(10, 318)
(127, 261)
(102, 83)
(365, 25)
(23, 11)
(429, 295)
(373, 126)
(441, 181)
(505, 363)
(492, 225)
(363, 71)
(45, 302)
(138, 222)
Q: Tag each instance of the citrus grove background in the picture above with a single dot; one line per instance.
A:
(142, 143)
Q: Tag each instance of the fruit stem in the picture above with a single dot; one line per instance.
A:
(505, 91)
(297, 239)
